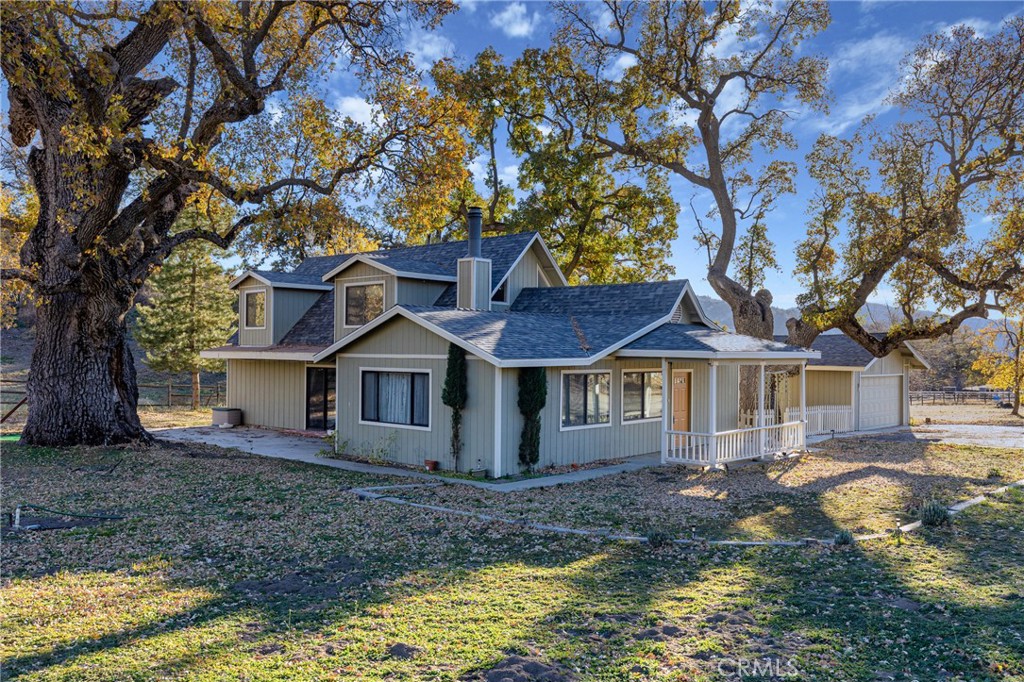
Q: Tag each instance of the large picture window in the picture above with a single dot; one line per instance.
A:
(363, 303)
(255, 305)
(641, 395)
(401, 398)
(586, 399)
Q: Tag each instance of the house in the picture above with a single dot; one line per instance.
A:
(849, 389)
(359, 343)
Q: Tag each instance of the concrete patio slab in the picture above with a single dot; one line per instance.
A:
(270, 443)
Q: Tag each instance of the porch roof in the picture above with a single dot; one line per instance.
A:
(695, 341)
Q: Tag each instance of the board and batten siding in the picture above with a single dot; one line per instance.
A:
(419, 292)
(584, 445)
(289, 306)
(360, 273)
(824, 387)
(269, 392)
(890, 364)
(255, 337)
(404, 345)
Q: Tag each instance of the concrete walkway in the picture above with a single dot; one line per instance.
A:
(270, 443)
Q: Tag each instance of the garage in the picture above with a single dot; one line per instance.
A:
(880, 401)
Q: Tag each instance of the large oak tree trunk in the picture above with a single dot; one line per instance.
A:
(82, 387)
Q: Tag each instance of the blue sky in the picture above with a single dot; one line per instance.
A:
(865, 43)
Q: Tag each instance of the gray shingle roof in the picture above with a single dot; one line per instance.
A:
(839, 350)
(288, 278)
(534, 336)
(439, 259)
(638, 299)
(316, 327)
(691, 337)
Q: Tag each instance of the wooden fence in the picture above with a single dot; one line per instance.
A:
(12, 395)
(953, 397)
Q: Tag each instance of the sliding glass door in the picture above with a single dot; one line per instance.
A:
(320, 398)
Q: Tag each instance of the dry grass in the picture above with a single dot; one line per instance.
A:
(964, 414)
(152, 418)
(229, 566)
(863, 485)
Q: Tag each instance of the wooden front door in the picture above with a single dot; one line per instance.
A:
(680, 400)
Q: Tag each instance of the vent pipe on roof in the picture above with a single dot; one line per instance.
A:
(476, 228)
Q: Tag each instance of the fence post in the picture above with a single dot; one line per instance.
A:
(169, 385)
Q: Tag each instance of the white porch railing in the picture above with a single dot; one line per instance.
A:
(748, 419)
(711, 449)
(824, 418)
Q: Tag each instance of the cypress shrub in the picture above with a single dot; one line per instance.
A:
(533, 394)
(454, 395)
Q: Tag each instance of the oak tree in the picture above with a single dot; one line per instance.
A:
(131, 109)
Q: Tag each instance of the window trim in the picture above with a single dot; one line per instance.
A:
(344, 301)
(622, 395)
(245, 306)
(401, 370)
(561, 398)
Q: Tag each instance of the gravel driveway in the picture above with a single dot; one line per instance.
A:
(984, 435)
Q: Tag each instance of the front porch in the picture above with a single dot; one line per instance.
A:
(768, 431)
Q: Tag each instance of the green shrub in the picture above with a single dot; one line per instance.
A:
(533, 394)
(995, 473)
(933, 513)
(844, 537)
(455, 394)
(658, 538)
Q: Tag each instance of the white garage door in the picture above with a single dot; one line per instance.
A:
(880, 400)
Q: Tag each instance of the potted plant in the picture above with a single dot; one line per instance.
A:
(431, 464)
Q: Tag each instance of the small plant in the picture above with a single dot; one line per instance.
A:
(995, 473)
(844, 538)
(933, 513)
(658, 538)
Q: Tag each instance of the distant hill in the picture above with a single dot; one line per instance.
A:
(719, 311)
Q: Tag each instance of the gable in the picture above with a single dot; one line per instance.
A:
(398, 336)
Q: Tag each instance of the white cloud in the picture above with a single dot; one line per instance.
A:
(427, 48)
(618, 68)
(515, 20)
(509, 174)
(356, 108)
(469, 5)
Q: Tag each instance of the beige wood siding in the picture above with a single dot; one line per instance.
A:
(890, 364)
(255, 337)
(404, 345)
(289, 306)
(824, 387)
(360, 273)
(269, 392)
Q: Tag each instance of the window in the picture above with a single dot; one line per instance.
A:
(586, 399)
(401, 398)
(641, 395)
(255, 305)
(363, 303)
(501, 295)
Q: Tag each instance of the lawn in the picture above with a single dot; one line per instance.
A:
(964, 414)
(864, 485)
(228, 566)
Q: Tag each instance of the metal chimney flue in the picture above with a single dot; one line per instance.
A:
(476, 226)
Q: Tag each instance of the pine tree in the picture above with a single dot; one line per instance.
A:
(191, 310)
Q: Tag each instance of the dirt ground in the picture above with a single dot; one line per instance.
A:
(963, 414)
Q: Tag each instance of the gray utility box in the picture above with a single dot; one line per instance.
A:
(227, 416)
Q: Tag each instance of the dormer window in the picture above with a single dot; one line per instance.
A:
(363, 303)
(254, 305)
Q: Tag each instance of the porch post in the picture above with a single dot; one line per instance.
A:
(803, 403)
(666, 387)
(760, 411)
(713, 414)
